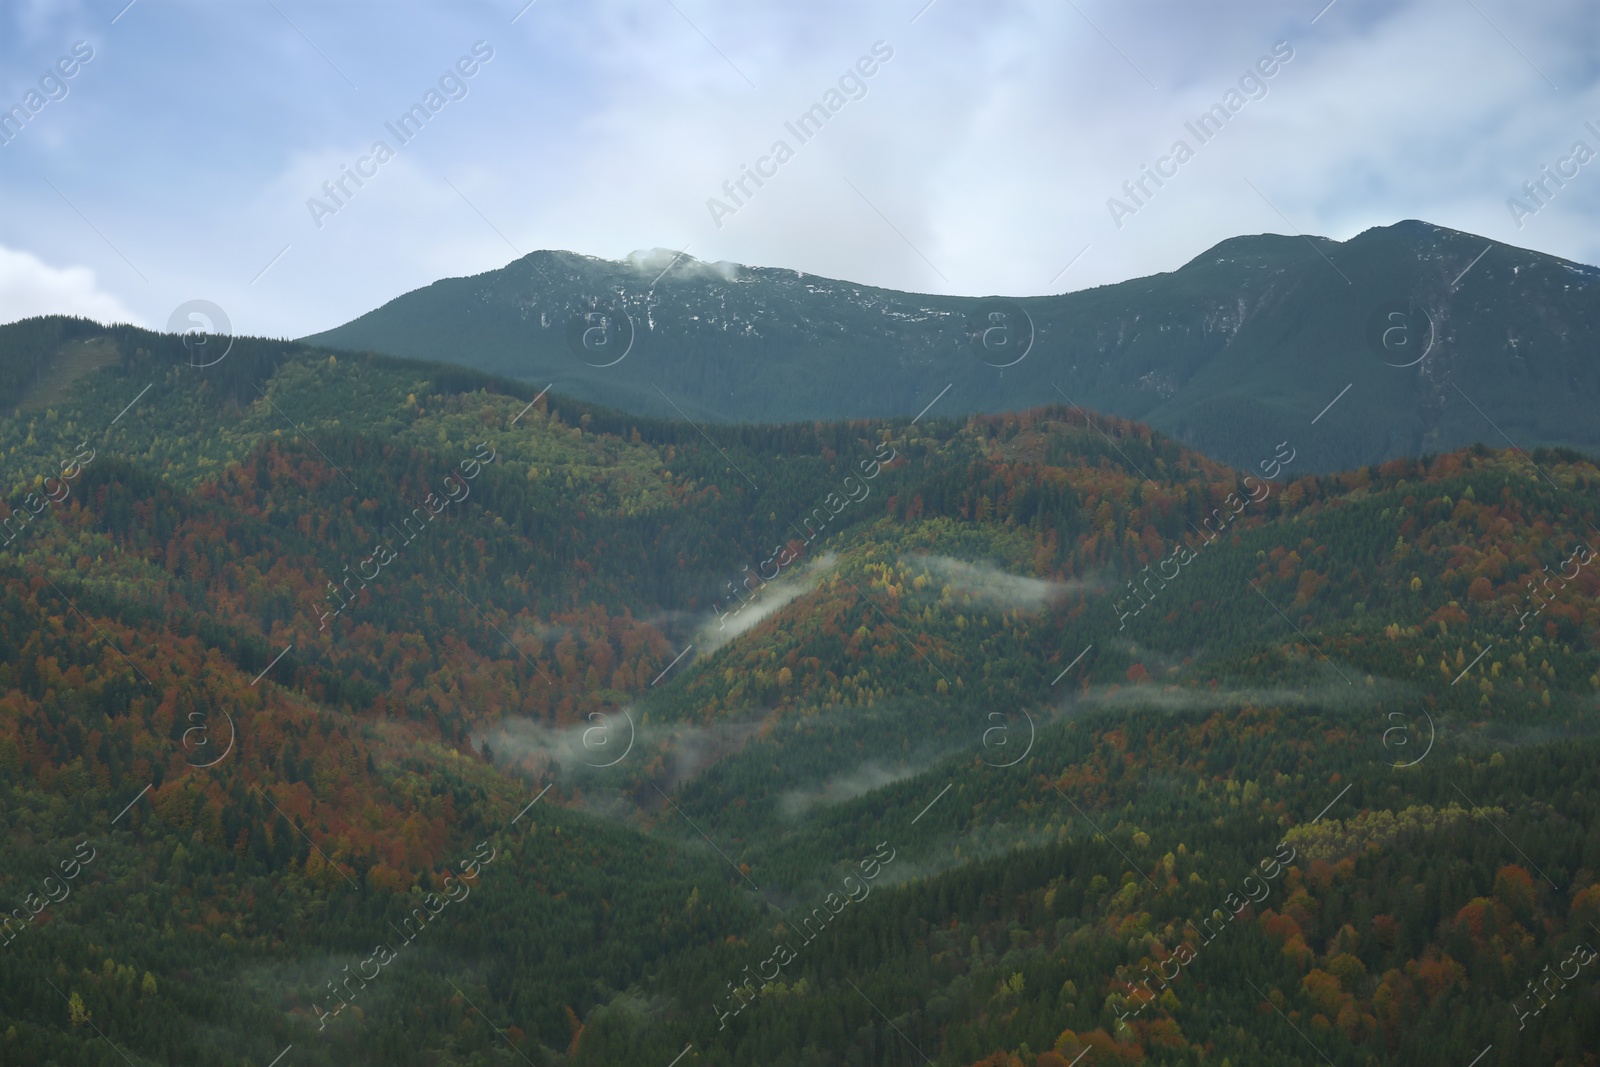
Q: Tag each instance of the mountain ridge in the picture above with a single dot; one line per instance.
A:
(1229, 353)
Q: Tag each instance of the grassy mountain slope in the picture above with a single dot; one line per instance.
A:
(1076, 681)
(1230, 354)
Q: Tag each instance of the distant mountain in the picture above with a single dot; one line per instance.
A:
(1239, 349)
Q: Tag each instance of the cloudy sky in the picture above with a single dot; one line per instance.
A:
(177, 161)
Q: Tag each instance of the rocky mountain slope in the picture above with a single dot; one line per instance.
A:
(1429, 339)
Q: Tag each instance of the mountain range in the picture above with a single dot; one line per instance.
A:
(1421, 338)
(357, 709)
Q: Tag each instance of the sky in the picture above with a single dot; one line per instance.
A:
(185, 156)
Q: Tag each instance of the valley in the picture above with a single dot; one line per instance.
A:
(939, 794)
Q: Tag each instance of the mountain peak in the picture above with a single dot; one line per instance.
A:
(1230, 354)
(657, 261)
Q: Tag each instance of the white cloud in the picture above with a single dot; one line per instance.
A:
(769, 599)
(988, 585)
(989, 143)
(29, 286)
(857, 781)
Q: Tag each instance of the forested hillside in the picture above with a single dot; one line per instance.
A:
(362, 711)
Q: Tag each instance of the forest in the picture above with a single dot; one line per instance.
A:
(376, 711)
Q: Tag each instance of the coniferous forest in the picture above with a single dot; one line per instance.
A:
(394, 713)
